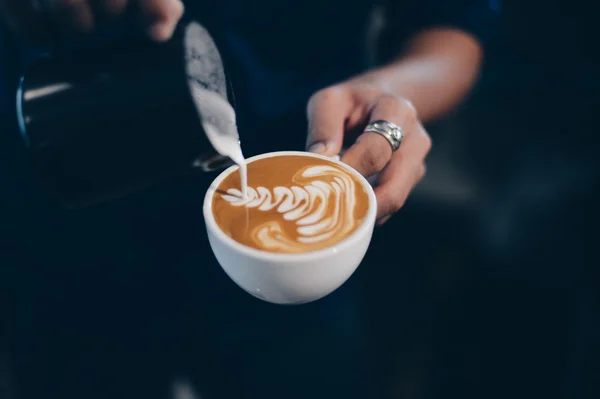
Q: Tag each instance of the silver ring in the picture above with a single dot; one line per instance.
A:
(392, 132)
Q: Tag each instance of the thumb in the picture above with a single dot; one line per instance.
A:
(327, 112)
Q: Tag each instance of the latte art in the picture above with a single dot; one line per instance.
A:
(322, 209)
(320, 205)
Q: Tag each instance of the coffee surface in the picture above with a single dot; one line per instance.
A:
(294, 204)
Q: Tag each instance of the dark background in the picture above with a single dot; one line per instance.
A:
(497, 295)
(508, 217)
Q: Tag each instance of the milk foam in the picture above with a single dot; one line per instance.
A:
(220, 126)
(321, 210)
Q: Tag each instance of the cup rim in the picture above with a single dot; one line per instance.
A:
(342, 245)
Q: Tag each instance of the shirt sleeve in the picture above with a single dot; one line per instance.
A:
(480, 18)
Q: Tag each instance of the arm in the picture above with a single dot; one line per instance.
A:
(432, 50)
(436, 67)
(435, 71)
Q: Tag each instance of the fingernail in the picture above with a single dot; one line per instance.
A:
(318, 147)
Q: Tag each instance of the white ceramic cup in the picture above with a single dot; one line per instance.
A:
(290, 278)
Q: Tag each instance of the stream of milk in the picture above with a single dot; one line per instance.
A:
(219, 123)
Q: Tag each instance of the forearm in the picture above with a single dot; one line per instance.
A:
(435, 71)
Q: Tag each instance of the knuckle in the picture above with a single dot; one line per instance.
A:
(397, 104)
(329, 94)
(406, 103)
(408, 110)
(323, 98)
(388, 100)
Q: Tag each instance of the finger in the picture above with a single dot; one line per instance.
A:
(327, 112)
(371, 152)
(161, 17)
(72, 15)
(404, 171)
(24, 20)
